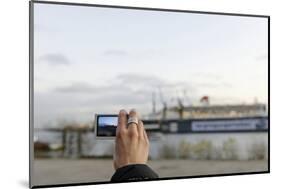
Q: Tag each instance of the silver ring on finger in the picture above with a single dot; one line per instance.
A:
(133, 120)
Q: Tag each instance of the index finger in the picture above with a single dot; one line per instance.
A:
(122, 121)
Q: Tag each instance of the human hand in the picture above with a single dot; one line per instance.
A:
(131, 142)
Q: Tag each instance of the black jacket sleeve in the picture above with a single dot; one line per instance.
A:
(133, 172)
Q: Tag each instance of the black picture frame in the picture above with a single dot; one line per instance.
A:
(31, 87)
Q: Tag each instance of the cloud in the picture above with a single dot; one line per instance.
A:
(84, 87)
(217, 84)
(123, 82)
(76, 88)
(115, 52)
(207, 76)
(128, 90)
(54, 59)
(152, 84)
(147, 85)
(136, 89)
(136, 79)
(135, 54)
(80, 100)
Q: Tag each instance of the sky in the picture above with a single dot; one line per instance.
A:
(108, 121)
(91, 60)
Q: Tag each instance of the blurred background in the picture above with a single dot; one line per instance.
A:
(199, 81)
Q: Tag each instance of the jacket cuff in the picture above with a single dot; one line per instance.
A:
(133, 172)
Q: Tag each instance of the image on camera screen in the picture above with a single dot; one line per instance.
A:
(106, 125)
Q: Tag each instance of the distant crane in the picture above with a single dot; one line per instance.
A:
(180, 108)
(153, 103)
(180, 104)
(164, 103)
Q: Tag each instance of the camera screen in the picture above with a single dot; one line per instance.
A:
(106, 125)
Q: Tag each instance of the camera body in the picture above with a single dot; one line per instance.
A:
(105, 126)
